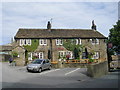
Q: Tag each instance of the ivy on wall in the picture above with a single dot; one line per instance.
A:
(14, 54)
(33, 46)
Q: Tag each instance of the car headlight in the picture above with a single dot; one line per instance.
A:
(35, 66)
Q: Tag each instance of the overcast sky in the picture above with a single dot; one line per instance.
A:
(77, 15)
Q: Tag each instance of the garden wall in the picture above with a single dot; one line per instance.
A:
(97, 70)
(69, 65)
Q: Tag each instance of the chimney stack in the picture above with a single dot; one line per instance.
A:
(49, 26)
(93, 25)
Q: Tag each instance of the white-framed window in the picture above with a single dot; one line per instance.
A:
(78, 41)
(21, 43)
(38, 55)
(41, 56)
(43, 42)
(25, 42)
(65, 53)
(61, 53)
(59, 42)
(94, 41)
(96, 55)
(28, 41)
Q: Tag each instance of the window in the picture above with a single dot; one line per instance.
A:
(47, 61)
(65, 53)
(61, 53)
(43, 41)
(28, 41)
(25, 42)
(78, 41)
(41, 55)
(59, 42)
(96, 55)
(37, 55)
(44, 62)
(94, 41)
(21, 42)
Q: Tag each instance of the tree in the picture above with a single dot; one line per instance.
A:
(114, 37)
(70, 44)
(76, 53)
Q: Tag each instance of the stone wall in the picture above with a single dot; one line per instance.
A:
(97, 70)
(4, 57)
(61, 64)
(20, 60)
(101, 48)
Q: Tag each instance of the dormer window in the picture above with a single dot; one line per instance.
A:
(43, 42)
(94, 41)
(59, 42)
(25, 42)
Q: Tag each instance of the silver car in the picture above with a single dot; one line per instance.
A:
(39, 65)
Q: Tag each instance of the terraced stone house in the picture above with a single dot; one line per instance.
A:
(48, 43)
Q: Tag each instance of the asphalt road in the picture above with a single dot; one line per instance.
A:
(18, 77)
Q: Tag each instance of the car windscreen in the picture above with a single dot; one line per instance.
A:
(37, 61)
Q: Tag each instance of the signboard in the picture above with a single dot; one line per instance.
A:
(59, 48)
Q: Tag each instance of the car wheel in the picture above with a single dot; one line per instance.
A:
(40, 70)
(28, 70)
(50, 68)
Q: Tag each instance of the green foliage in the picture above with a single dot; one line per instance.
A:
(14, 54)
(33, 46)
(70, 44)
(90, 56)
(62, 57)
(92, 52)
(91, 60)
(114, 36)
(76, 53)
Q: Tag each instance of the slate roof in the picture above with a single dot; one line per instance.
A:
(57, 33)
(6, 48)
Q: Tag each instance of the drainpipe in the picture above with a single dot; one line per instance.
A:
(51, 51)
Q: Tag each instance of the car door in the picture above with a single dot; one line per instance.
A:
(47, 63)
(44, 65)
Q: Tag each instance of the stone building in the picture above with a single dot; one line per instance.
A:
(5, 51)
(48, 43)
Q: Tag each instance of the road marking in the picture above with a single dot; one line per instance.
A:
(49, 71)
(72, 71)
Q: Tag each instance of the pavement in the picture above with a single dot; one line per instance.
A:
(18, 77)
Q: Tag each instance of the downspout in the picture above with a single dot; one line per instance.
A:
(51, 51)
